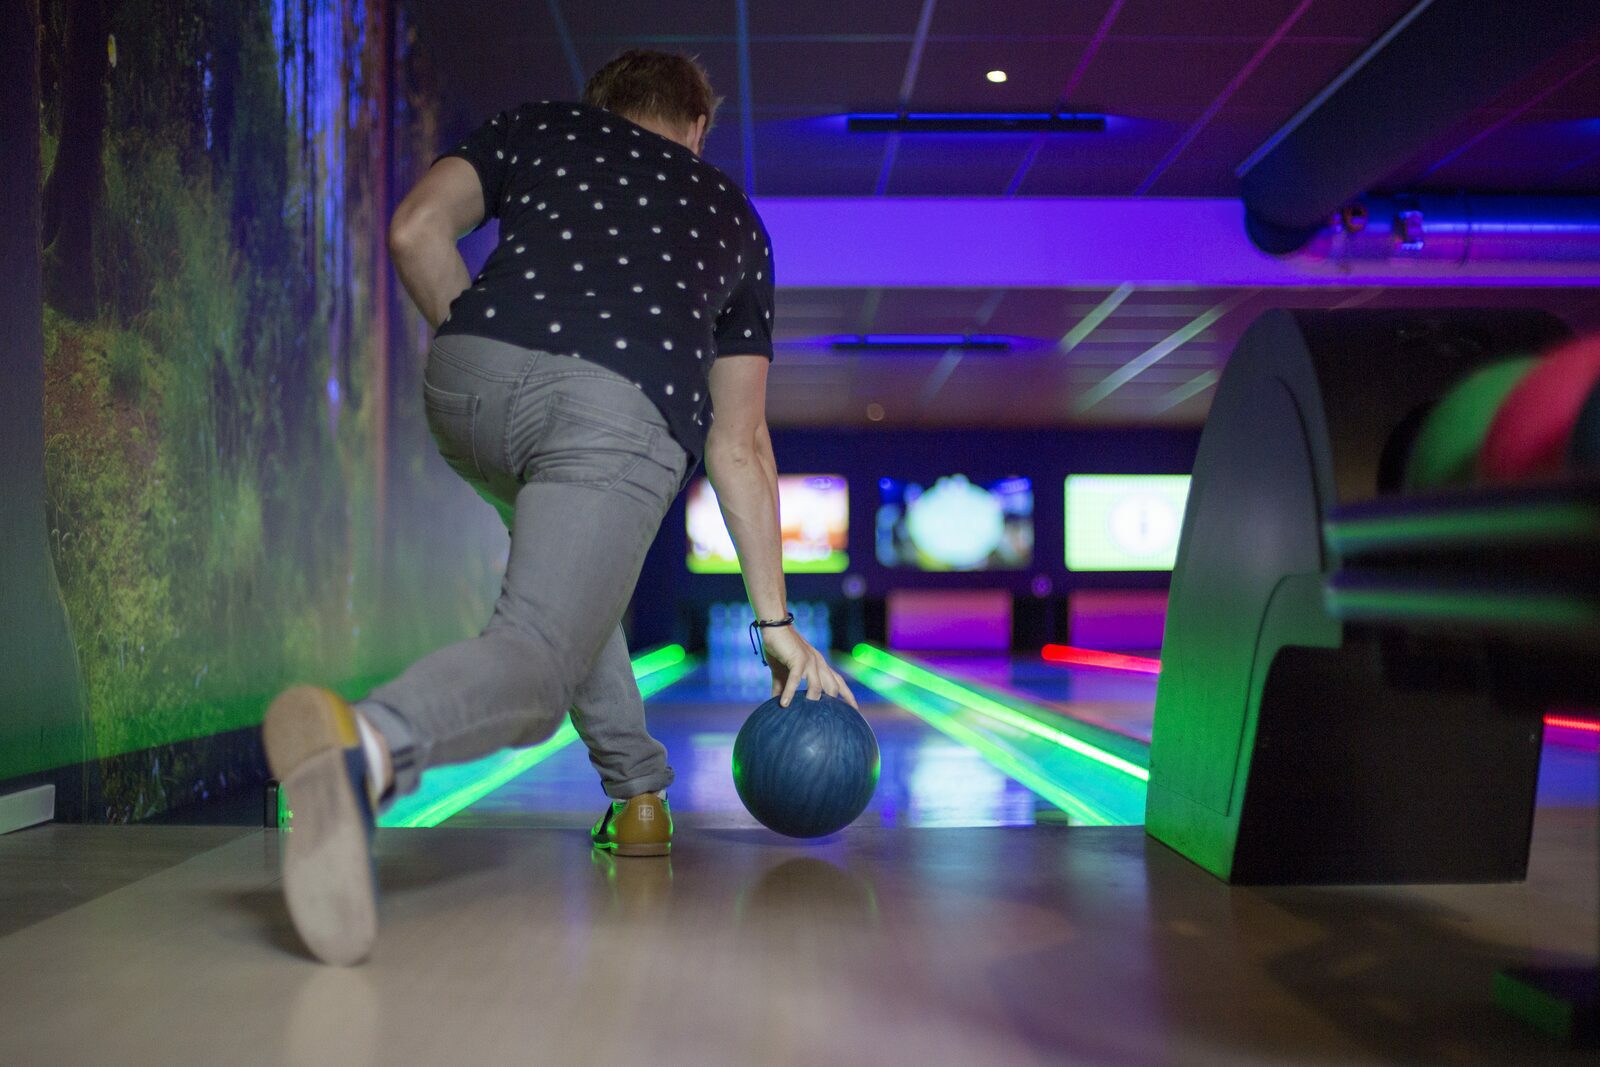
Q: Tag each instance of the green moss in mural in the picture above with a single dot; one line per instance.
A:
(211, 430)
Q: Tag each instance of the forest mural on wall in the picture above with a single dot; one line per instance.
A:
(239, 490)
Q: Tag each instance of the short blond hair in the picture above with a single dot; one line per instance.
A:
(667, 86)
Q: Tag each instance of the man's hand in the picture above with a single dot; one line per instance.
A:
(793, 660)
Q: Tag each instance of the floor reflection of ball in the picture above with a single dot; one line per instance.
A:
(955, 523)
(1143, 525)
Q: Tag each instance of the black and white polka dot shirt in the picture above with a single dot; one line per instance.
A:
(618, 246)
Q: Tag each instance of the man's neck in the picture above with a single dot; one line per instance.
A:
(660, 129)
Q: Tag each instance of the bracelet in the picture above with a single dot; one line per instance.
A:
(757, 645)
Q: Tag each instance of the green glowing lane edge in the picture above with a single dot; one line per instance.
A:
(665, 656)
(440, 809)
(974, 701)
(906, 695)
(471, 782)
(1543, 1009)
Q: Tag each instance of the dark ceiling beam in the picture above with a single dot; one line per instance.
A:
(1432, 69)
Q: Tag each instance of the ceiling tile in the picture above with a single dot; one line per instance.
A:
(952, 75)
(842, 18)
(1106, 164)
(815, 157)
(1017, 18)
(1126, 75)
(1206, 166)
(860, 76)
(1365, 19)
(1247, 18)
(618, 22)
(956, 165)
(1292, 73)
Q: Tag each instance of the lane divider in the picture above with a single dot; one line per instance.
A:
(981, 704)
(1567, 722)
(919, 702)
(1073, 656)
(447, 790)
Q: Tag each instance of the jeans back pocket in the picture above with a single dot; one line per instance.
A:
(453, 421)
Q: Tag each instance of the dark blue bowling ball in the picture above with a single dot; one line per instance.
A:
(807, 769)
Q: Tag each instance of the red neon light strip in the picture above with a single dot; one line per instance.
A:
(1565, 723)
(1090, 657)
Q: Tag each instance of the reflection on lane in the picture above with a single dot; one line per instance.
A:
(946, 777)
(926, 779)
(1095, 777)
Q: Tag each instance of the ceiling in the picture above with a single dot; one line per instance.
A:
(1086, 384)
(1190, 90)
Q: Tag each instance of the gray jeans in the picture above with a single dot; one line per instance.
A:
(582, 467)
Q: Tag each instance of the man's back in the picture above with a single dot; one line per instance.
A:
(617, 246)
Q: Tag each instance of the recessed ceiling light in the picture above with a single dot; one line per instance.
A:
(996, 76)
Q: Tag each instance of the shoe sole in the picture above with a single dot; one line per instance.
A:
(327, 864)
(656, 848)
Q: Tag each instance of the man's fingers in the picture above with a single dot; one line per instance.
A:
(843, 692)
(820, 682)
(791, 685)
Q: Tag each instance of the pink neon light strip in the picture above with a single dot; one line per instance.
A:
(1587, 725)
(1092, 657)
(1116, 661)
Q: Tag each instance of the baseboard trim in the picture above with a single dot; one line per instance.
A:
(146, 783)
(27, 807)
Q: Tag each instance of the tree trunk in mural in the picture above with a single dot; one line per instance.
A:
(381, 34)
(41, 696)
(73, 191)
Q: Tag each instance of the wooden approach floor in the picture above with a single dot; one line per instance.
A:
(1040, 945)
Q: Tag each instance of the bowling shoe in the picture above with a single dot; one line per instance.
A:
(641, 826)
(314, 749)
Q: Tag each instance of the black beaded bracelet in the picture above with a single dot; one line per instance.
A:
(757, 645)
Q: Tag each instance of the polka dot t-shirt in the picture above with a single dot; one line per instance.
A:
(617, 246)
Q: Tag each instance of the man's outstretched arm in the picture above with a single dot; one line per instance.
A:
(445, 204)
(744, 473)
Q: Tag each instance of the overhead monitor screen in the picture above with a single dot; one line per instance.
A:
(953, 524)
(815, 516)
(1124, 522)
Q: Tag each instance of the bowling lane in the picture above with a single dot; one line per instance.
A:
(1117, 700)
(927, 779)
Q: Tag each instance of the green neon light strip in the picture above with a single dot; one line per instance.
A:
(483, 777)
(665, 656)
(833, 563)
(448, 790)
(974, 701)
(910, 697)
(1542, 523)
(1534, 611)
